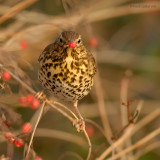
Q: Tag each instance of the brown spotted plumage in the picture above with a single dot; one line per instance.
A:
(67, 72)
(67, 69)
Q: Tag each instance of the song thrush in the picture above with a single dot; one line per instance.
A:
(67, 68)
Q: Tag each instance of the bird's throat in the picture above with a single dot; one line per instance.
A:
(69, 50)
(69, 57)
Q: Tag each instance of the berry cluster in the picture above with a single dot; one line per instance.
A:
(18, 142)
(24, 101)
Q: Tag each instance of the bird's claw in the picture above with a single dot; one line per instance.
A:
(79, 124)
(40, 95)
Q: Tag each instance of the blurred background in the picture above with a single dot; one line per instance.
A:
(124, 37)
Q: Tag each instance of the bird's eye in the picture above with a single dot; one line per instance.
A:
(79, 41)
(61, 40)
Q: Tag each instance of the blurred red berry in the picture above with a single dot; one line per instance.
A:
(93, 42)
(35, 103)
(18, 142)
(6, 76)
(90, 130)
(38, 158)
(9, 134)
(26, 128)
(30, 98)
(23, 44)
(11, 139)
(23, 101)
(72, 44)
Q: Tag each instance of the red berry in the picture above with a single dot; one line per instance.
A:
(93, 42)
(23, 101)
(11, 140)
(72, 44)
(6, 76)
(38, 158)
(90, 130)
(9, 134)
(30, 98)
(18, 142)
(23, 44)
(26, 128)
(35, 104)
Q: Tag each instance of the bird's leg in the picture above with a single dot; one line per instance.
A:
(40, 94)
(80, 124)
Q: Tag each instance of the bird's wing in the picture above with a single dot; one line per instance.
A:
(46, 51)
(91, 62)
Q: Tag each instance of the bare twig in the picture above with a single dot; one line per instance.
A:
(125, 110)
(66, 108)
(128, 133)
(138, 111)
(61, 111)
(34, 129)
(89, 145)
(146, 120)
(148, 148)
(120, 11)
(124, 100)
(117, 143)
(92, 16)
(135, 117)
(16, 9)
(138, 144)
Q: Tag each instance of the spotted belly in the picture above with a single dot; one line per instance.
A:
(65, 83)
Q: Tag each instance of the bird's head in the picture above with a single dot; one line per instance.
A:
(69, 39)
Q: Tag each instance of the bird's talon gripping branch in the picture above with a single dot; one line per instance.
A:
(40, 95)
(79, 124)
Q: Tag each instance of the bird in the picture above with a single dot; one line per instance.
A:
(67, 69)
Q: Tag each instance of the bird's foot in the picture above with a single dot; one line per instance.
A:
(79, 124)
(40, 95)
